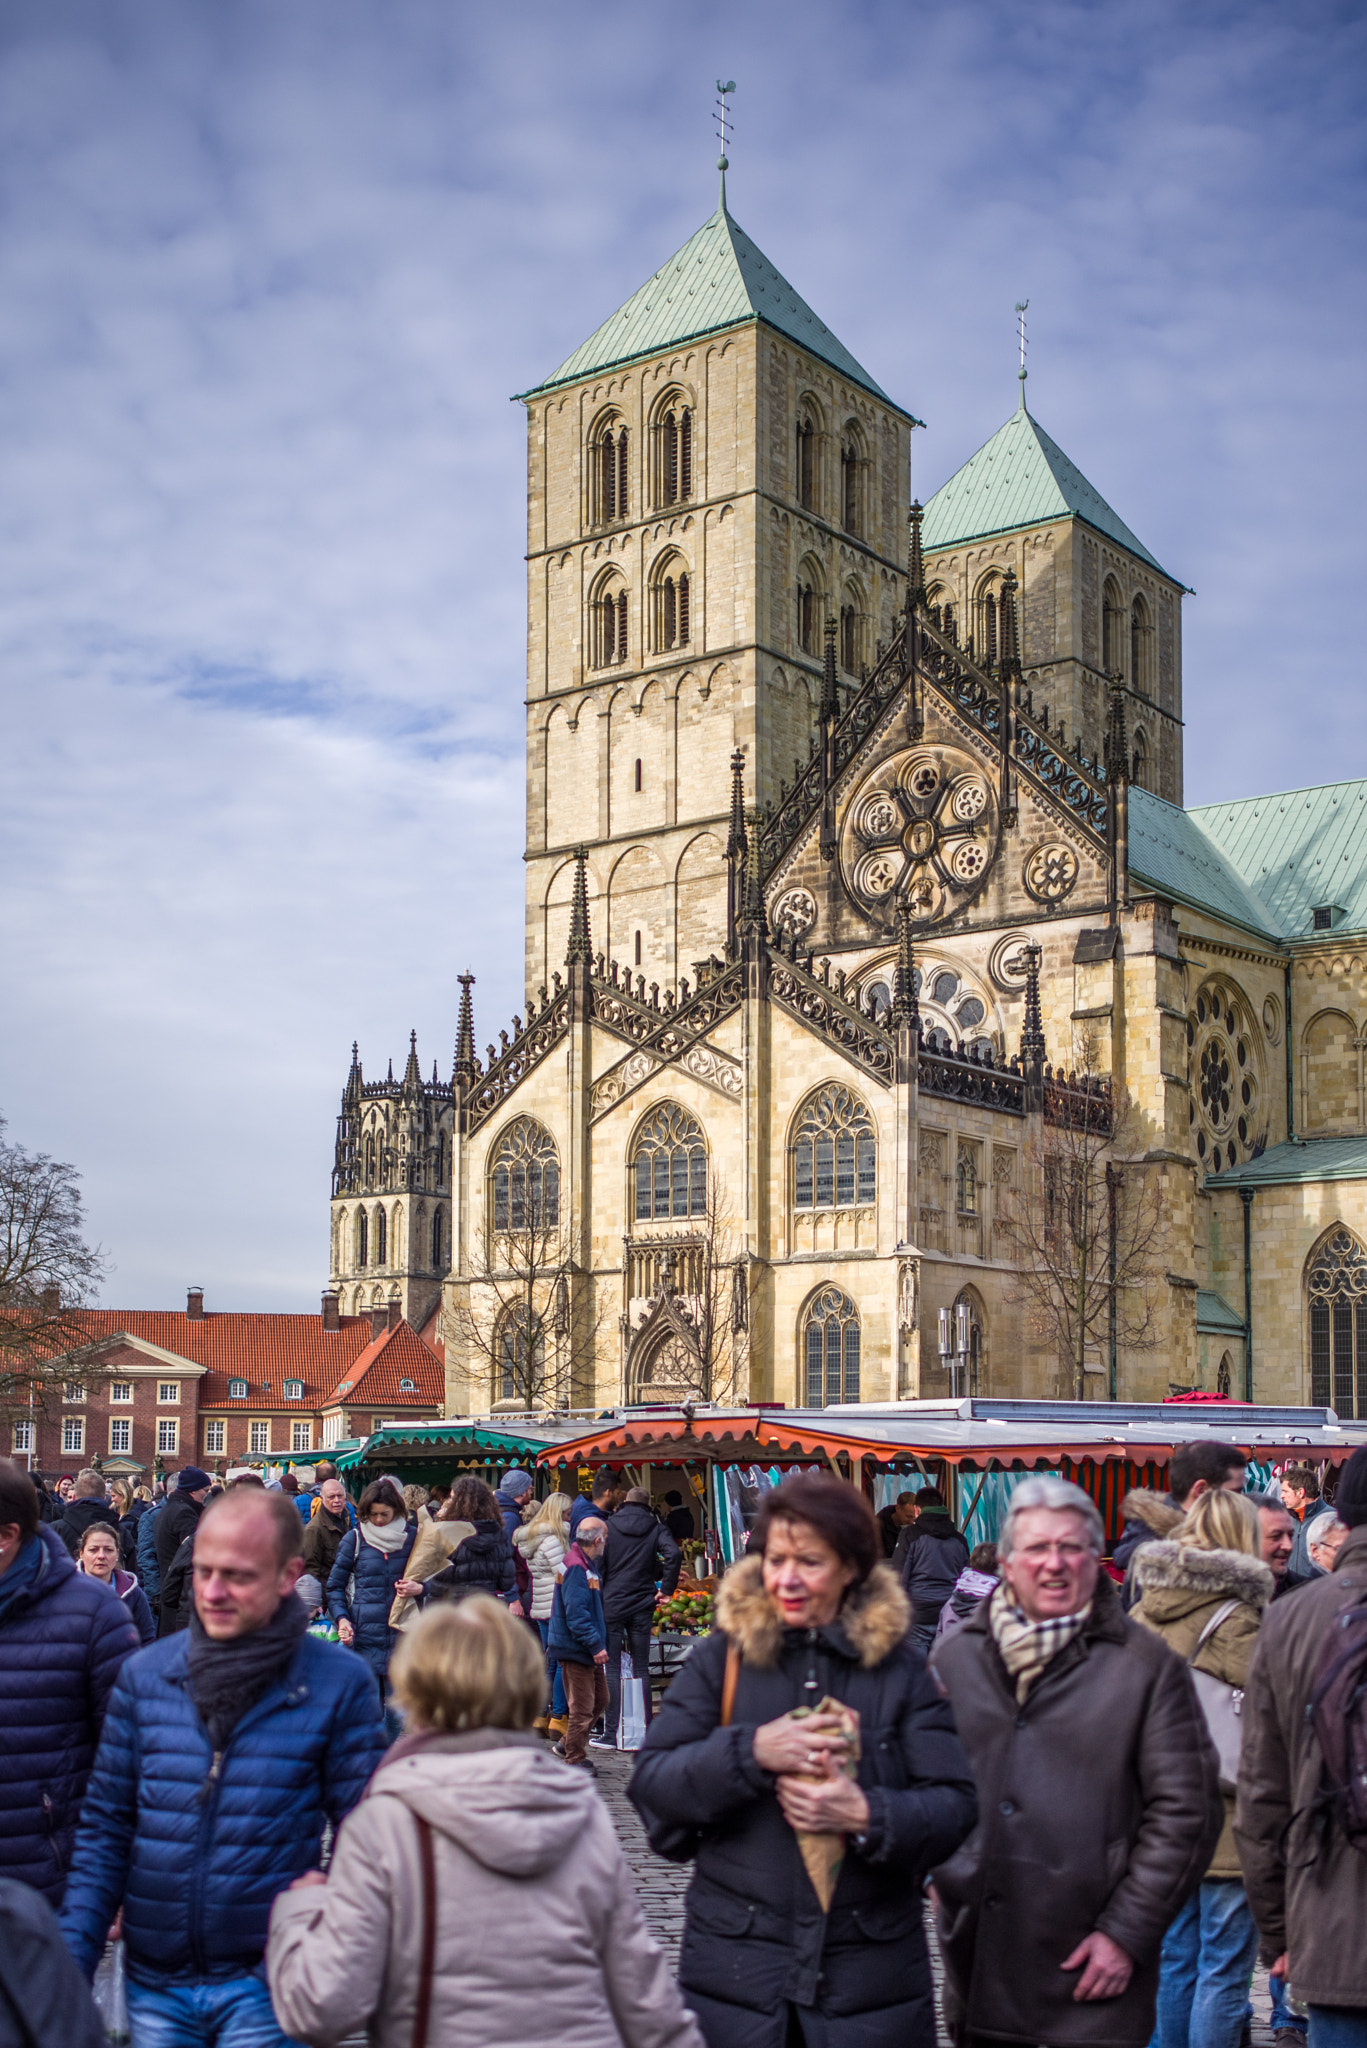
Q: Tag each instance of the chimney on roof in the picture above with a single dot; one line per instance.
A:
(395, 1314)
(379, 1323)
(331, 1319)
(194, 1305)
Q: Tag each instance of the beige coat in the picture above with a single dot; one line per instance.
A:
(1180, 1589)
(539, 1935)
(437, 1543)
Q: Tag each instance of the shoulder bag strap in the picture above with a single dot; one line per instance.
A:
(730, 1682)
(1220, 1615)
(423, 2009)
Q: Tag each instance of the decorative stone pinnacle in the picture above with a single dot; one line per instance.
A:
(904, 1003)
(830, 696)
(752, 917)
(1032, 1035)
(1117, 742)
(916, 568)
(735, 844)
(579, 950)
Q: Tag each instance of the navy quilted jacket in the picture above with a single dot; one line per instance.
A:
(197, 1847)
(62, 1641)
(360, 1589)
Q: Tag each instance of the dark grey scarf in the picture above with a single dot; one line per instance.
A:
(227, 1679)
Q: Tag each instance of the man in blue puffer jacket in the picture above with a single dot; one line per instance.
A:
(63, 1639)
(227, 1749)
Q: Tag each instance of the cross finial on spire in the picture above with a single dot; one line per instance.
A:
(1022, 307)
(722, 118)
(579, 949)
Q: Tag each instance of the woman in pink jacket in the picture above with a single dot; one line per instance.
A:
(473, 1849)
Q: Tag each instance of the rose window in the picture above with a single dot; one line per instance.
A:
(1225, 1109)
(921, 831)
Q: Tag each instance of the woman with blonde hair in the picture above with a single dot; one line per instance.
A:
(474, 1857)
(1205, 1591)
(543, 1542)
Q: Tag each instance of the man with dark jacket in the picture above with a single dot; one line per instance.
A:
(607, 1494)
(1152, 1517)
(1306, 1882)
(44, 2000)
(63, 1640)
(578, 1637)
(89, 1503)
(1098, 1792)
(679, 1521)
(512, 1497)
(228, 1750)
(180, 1516)
(324, 1534)
(929, 1557)
(639, 1557)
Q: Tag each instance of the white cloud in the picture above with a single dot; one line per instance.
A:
(267, 276)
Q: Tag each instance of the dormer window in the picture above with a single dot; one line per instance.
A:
(407, 1387)
(1325, 916)
(293, 1390)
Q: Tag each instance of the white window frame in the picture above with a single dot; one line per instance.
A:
(73, 1436)
(168, 1392)
(120, 1393)
(120, 1436)
(293, 1390)
(233, 1394)
(215, 1437)
(332, 1429)
(73, 1390)
(168, 1434)
(301, 1436)
(259, 1438)
(21, 1439)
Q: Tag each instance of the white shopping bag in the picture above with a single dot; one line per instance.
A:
(631, 1725)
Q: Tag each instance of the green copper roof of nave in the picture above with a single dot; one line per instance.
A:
(1019, 478)
(718, 279)
(1265, 862)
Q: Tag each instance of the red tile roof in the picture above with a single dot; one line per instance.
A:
(264, 1350)
(376, 1378)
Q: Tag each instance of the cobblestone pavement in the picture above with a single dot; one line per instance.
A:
(661, 1886)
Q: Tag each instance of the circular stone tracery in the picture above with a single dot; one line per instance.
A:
(922, 830)
(1224, 1078)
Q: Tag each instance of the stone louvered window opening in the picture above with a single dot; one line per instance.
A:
(852, 467)
(525, 1178)
(362, 1240)
(835, 1153)
(806, 462)
(851, 635)
(674, 455)
(830, 1346)
(670, 1165)
(1337, 1285)
(1141, 649)
(608, 475)
(1112, 629)
(810, 605)
(608, 626)
(671, 609)
(436, 1238)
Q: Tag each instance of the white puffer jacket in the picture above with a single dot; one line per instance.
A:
(545, 1554)
(529, 1875)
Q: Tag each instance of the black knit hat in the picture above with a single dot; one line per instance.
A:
(1350, 1502)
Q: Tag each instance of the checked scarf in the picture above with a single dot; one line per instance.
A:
(1029, 1647)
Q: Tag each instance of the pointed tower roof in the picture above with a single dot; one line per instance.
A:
(718, 279)
(1020, 478)
(412, 1073)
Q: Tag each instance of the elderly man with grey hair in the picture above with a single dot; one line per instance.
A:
(1098, 1792)
(578, 1637)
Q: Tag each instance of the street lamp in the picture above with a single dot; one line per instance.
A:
(955, 1344)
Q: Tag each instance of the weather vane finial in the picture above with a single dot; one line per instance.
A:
(1022, 307)
(722, 118)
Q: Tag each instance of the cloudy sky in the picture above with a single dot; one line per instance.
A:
(268, 275)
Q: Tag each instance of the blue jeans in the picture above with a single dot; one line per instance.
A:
(224, 2012)
(1282, 2015)
(1337, 2026)
(558, 1705)
(1207, 1964)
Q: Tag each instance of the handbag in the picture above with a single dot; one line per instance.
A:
(1222, 1705)
(671, 1839)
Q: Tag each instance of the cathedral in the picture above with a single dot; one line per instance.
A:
(858, 880)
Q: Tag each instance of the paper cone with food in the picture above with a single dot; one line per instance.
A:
(822, 1855)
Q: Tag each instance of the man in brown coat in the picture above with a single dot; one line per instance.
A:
(1307, 1884)
(1098, 1793)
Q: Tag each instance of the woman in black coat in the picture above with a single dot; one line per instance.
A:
(813, 1613)
(484, 1562)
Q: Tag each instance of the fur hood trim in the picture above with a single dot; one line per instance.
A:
(1216, 1574)
(1157, 1512)
(874, 1619)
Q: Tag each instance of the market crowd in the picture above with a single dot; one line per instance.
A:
(277, 1765)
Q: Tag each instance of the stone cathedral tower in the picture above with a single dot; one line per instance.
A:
(711, 477)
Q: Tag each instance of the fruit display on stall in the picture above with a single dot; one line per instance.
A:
(683, 1613)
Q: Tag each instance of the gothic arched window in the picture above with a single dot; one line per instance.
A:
(525, 1178)
(436, 1237)
(966, 1180)
(370, 1158)
(608, 459)
(1112, 628)
(608, 623)
(830, 1348)
(806, 460)
(521, 1350)
(811, 607)
(381, 1237)
(852, 630)
(670, 591)
(441, 1160)
(852, 468)
(669, 1160)
(1139, 763)
(673, 451)
(835, 1152)
(362, 1240)
(1141, 642)
(1337, 1285)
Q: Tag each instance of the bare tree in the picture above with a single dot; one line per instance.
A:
(515, 1319)
(1087, 1228)
(47, 1273)
(695, 1336)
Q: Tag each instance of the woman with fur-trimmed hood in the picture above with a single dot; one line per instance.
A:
(878, 1784)
(1210, 1573)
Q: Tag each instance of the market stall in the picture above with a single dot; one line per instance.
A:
(430, 1451)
